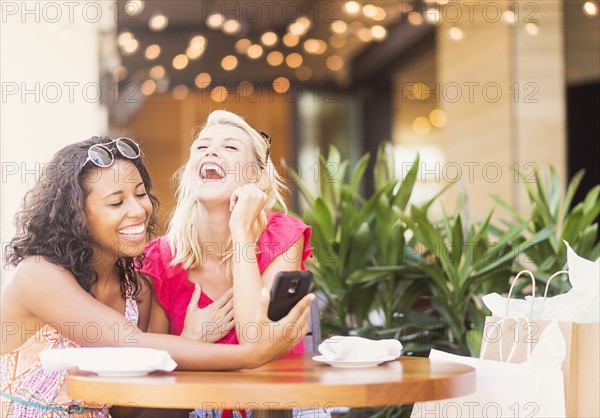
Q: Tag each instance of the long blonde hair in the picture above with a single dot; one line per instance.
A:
(182, 232)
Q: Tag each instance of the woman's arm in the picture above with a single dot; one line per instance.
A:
(247, 203)
(248, 281)
(158, 323)
(290, 260)
(265, 341)
(52, 296)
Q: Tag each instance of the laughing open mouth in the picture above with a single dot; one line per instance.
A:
(211, 171)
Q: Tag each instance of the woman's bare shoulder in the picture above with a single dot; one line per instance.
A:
(35, 281)
(39, 272)
(36, 264)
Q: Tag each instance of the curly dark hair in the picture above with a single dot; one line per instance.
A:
(53, 223)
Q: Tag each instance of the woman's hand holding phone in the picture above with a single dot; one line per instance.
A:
(288, 288)
(271, 340)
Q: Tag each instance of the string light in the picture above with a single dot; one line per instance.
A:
(363, 24)
(131, 47)
(158, 22)
(438, 118)
(196, 47)
(415, 18)
(335, 62)
(275, 58)
(148, 87)
(303, 73)
(254, 51)
(290, 40)
(532, 29)
(269, 38)
(380, 15)
(590, 8)
(152, 52)
(421, 125)
(180, 92)
(365, 35)
(369, 10)
(281, 85)
(219, 94)
(180, 62)
(315, 46)
(379, 32)
(509, 16)
(242, 45)
(300, 26)
(133, 7)
(124, 38)
(351, 7)
(157, 72)
(215, 21)
(231, 27)
(229, 63)
(293, 60)
(455, 33)
(337, 41)
(339, 26)
(202, 80)
(119, 73)
(420, 91)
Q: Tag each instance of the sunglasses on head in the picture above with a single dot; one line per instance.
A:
(267, 138)
(102, 156)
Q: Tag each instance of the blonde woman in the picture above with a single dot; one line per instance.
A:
(224, 238)
(224, 242)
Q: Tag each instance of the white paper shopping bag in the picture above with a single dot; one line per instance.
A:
(530, 389)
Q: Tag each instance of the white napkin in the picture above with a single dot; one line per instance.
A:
(112, 359)
(579, 305)
(340, 348)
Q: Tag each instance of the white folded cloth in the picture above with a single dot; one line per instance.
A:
(340, 348)
(113, 359)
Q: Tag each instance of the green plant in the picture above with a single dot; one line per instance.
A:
(551, 208)
(361, 255)
(349, 233)
(463, 263)
(421, 277)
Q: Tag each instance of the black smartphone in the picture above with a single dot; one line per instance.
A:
(287, 290)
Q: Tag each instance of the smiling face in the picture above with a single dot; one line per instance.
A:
(221, 159)
(118, 210)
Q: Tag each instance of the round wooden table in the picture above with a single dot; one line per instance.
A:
(293, 381)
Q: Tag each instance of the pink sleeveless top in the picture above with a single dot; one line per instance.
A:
(29, 391)
(174, 290)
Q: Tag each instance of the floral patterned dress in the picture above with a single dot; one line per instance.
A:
(28, 391)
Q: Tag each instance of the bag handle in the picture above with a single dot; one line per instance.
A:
(516, 341)
(558, 273)
(532, 291)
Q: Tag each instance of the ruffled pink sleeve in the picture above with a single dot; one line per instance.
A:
(281, 233)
